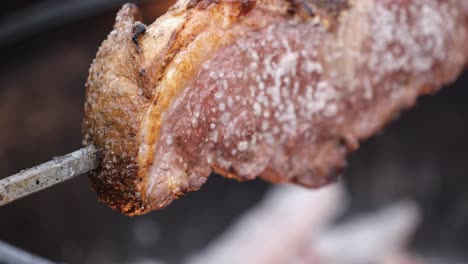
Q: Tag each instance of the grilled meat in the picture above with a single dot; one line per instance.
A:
(280, 89)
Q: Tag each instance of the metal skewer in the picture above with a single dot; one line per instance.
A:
(56, 171)
(11, 254)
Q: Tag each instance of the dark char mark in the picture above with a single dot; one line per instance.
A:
(138, 30)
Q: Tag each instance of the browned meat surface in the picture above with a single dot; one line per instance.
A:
(279, 89)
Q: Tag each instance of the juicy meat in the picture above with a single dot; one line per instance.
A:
(281, 89)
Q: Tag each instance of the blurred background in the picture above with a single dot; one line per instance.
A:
(46, 48)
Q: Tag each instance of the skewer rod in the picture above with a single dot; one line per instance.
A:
(56, 171)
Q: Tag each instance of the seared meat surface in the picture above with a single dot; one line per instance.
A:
(279, 89)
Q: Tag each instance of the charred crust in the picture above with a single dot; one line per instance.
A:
(114, 186)
(153, 74)
(114, 182)
(139, 29)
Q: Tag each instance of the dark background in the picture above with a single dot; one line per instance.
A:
(46, 48)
